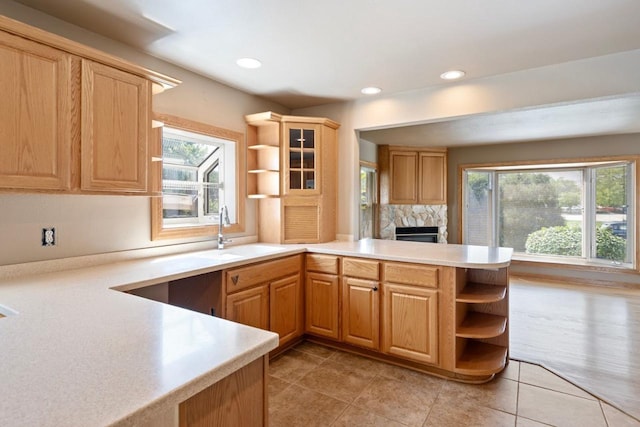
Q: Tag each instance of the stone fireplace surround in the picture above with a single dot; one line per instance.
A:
(412, 216)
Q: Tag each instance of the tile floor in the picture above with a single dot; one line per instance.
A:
(312, 385)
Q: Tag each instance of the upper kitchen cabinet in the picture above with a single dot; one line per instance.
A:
(410, 175)
(302, 162)
(115, 128)
(35, 115)
(73, 119)
(291, 165)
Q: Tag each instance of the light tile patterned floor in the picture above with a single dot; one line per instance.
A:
(312, 385)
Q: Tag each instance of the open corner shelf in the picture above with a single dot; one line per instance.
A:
(482, 316)
(263, 171)
(263, 196)
(480, 358)
(477, 293)
(481, 325)
(263, 147)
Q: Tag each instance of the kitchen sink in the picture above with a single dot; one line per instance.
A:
(225, 256)
(239, 252)
(6, 311)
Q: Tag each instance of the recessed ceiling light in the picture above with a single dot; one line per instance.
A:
(249, 63)
(371, 90)
(452, 75)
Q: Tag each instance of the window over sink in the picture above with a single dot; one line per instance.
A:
(200, 174)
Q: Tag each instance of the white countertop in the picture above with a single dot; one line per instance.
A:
(419, 252)
(78, 352)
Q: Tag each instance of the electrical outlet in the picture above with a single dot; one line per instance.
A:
(49, 236)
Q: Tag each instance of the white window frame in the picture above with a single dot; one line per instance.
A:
(218, 156)
(589, 209)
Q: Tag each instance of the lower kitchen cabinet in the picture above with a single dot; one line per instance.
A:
(285, 308)
(267, 295)
(322, 305)
(410, 322)
(250, 307)
(361, 312)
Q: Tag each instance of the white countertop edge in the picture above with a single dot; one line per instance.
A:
(123, 287)
(448, 255)
(189, 389)
(481, 265)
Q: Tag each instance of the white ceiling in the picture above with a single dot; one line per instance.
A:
(315, 52)
(592, 117)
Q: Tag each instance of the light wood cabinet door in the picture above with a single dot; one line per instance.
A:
(250, 307)
(403, 169)
(301, 219)
(302, 159)
(285, 308)
(115, 127)
(322, 299)
(361, 312)
(432, 179)
(35, 115)
(410, 322)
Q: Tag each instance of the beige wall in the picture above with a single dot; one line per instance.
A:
(98, 224)
(368, 151)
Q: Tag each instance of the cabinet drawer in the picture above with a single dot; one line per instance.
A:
(245, 277)
(362, 268)
(322, 263)
(411, 274)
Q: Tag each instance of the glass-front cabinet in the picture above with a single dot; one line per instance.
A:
(292, 172)
(302, 158)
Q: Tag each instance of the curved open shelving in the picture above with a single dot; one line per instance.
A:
(480, 358)
(477, 293)
(481, 325)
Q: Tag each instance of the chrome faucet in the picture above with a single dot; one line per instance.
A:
(223, 221)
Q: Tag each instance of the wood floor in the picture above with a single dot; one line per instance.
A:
(588, 335)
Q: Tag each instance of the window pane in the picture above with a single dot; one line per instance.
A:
(368, 192)
(295, 180)
(295, 138)
(190, 181)
(477, 215)
(295, 160)
(179, 151)
(308, 160)
(179, 199)
(611, 212)
(309, 180)
(539, 212)
(212, 191)
(309, 138)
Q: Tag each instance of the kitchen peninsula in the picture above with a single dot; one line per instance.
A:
(77, 351)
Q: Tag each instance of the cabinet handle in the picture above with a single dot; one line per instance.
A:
(375, 288)
(234, 279)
